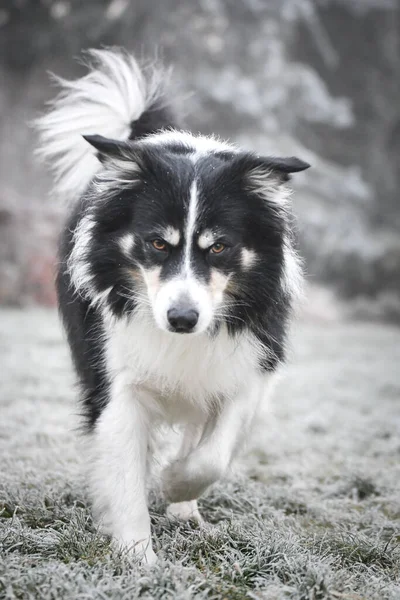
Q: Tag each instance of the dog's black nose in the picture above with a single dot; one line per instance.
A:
(182, 320)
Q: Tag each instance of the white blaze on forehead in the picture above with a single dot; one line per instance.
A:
(248, 258)
(126, 243)
(190, 226)
(171, 235)
(206, 239)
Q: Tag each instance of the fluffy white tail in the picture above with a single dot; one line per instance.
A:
(115, 93)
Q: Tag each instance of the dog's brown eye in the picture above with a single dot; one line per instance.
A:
(217, 248)
(159, 245)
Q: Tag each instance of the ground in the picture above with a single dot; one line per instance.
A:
(311, 512)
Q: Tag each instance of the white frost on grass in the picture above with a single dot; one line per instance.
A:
(311, 512)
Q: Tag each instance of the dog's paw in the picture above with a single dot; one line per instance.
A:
(141, 549)
(185, 511)
(149, 558)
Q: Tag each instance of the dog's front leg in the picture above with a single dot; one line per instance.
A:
(118, 470)
(187, 478)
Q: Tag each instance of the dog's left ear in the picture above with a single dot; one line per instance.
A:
(108, 149)
(267, 175)
(275, 168)
(284, 166)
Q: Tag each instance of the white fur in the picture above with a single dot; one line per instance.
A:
(184, 289)
(190, 224)
(199, 144)
(248, 258)
(126, 243)
(206, 239)
(118, 172)
(115, 92)
(185, 511)
(217, 285)
(172, 236)
(100, 299)
(185, 372)
(268, 184)
(118, 449)
(78, 265)
(292, 280)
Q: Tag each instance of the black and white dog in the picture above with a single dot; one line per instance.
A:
(176, 282)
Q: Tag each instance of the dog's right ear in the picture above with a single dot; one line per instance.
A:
(110, 149)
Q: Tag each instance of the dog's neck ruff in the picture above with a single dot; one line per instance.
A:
(192, 371)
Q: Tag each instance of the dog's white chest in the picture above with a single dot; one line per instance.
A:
(194, 367)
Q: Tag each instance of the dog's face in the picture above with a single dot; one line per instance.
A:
(194, 236)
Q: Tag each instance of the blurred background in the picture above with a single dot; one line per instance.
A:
(319, 79)
(315, 78)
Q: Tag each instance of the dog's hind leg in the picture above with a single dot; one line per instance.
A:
(187, 510)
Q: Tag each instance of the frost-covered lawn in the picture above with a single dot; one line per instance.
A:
(312, 512)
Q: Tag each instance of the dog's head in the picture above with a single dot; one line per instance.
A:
(188, 228)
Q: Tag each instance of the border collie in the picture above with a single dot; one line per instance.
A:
(176, 282)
